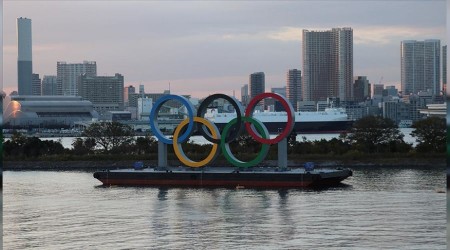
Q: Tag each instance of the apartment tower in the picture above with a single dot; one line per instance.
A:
(68, 73)
(420, 66)
(105, 92)
(327, 64)
(294, 86)
(35, 84)
(256, 84)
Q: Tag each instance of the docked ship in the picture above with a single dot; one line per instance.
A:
(331, 120)
(228, 177)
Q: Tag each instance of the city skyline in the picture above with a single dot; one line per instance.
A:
(193, 45)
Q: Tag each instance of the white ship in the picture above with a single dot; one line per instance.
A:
(332, 120)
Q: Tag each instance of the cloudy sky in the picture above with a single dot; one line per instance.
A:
(202, 48)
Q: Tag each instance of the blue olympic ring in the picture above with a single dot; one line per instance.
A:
(154, 118)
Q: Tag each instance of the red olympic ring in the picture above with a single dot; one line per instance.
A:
(290, 118)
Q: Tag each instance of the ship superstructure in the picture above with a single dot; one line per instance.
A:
(331, 120)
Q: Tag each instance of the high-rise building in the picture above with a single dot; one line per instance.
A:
(294, 86)
(141, 89)
(420, 66)
(105, 92)
(444, 69)
(256, 84)
(68, 73)
(244, 95)
(361, 88)
(377, 90)
(126, 91)
(49, 85)
(35, 84)
(327, 64)
(24, 59)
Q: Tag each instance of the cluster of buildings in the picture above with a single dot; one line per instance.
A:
(327, 79)
(76, 95)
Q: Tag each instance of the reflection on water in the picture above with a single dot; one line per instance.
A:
(383, 208)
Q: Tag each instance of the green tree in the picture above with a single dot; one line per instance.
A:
(89, 144)
(52, 147)
(145, 145)
(292, 139)
(109, 135)
(83, 146)
(430, 134)
(18, 138)
(374, 134)
(78, 147)
(14, 146)
(32, 147)
(247, 144)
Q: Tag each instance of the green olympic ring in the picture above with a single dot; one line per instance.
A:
(226, 147)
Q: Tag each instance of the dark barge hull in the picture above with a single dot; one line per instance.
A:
(223, 177)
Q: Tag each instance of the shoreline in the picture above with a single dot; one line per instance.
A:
(91, 166)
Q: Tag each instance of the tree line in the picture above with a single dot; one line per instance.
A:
(369, 135)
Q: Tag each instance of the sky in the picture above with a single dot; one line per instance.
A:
(201, 48)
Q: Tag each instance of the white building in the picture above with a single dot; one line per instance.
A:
(420, 66)
(144, 107)
(67, 75)
(47, 111)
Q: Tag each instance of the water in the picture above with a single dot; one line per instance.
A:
(377, 209)
(67, 141)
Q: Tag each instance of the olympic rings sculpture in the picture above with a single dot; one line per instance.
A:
(231, 131)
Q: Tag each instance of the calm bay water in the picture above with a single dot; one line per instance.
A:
(376, 209)
(67, 141)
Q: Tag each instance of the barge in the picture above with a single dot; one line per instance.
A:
(228, 177)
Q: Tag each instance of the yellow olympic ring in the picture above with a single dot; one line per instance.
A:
(179, 151)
